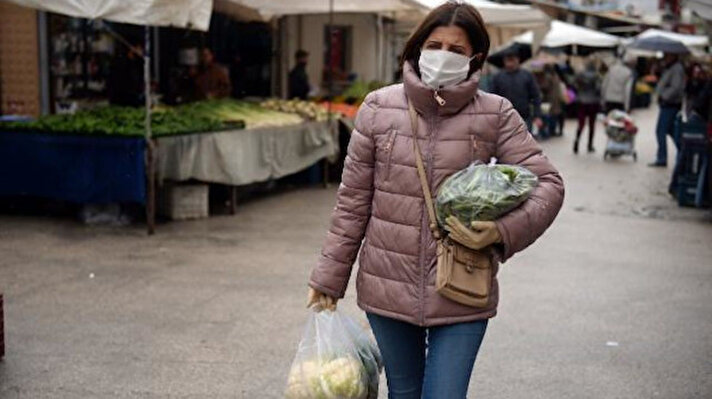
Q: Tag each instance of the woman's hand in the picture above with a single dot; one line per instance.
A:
(320, 301)
(478, 236)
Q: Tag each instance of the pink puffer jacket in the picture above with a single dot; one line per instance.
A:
(380, 201)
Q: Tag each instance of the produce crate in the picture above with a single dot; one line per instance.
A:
(184, 201)
(692, 159)
(2, 330)
(688, 192)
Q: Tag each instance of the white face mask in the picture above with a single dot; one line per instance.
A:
(441, 68)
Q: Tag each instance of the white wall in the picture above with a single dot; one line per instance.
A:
(307, 32)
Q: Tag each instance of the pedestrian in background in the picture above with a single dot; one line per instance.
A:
(125, 84)
(588, 87)
(212, 79)
(299, 86)
(696, 82)
(670, 90)
(617, 87)
(519, 87)
(429, 343)
(566, 75)
(552, 95)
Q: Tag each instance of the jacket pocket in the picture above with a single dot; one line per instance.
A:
(389, 151)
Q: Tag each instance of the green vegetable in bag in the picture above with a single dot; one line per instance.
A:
(483, 192)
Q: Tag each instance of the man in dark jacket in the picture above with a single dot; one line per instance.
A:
(671, 90)
(125, 83)
(520, 88)
(298, 78)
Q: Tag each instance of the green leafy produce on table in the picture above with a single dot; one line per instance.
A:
(483, 192)
(198, 117)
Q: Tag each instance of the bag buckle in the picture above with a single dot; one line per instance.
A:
(470, 267)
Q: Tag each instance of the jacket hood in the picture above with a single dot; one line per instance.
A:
(423, 96)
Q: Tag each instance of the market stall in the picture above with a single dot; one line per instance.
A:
(572, 39)
(503, 21)
(84, 170)
(97, 156)
(237, 158)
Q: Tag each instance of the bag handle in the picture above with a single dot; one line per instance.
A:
(421, 173)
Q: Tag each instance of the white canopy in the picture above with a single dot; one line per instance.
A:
(698, 41)
(266, 10)
(703, 8)
(180, 13)
(563, 34)
(496, 14)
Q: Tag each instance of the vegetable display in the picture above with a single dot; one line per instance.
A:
(204, 116)
(483, 192)
(336, 359)
(305, 109)
(358, 90)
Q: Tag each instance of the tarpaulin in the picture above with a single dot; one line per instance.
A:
(245, 156)
(79, 169)
(193, 14)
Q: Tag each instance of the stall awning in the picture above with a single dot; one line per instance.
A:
(496, 14)
(193, 14)
(693, 41)
(563, 34)
(703, 8)
(266, 10)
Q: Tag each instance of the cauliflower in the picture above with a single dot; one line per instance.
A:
(340, 378)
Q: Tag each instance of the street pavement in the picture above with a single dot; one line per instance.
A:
(614, 301)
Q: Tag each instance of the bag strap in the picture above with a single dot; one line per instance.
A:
(421, 173)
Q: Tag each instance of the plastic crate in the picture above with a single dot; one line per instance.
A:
(693, 153)
(184, 201)
(687, 191)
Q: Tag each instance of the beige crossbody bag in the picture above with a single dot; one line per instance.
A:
(463, 274)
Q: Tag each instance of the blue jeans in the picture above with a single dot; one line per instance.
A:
(665, 127)
(427, 363)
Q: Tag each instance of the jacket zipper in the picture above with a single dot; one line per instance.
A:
(389, 152)
(441, 101)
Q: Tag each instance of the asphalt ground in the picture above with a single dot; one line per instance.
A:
(614, 301)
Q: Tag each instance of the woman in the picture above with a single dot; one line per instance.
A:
(696, 82)
(380, 199)
(588, 87)
(550, 85)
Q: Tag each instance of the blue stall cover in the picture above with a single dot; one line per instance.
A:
(80, 169)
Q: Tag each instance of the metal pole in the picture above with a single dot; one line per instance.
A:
(150, 161)
(331, 88)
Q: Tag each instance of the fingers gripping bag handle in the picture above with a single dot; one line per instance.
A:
(329, 363)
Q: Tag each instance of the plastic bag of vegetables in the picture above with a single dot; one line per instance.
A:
(336, 359)
(483, 192)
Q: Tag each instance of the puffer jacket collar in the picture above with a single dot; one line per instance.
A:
(423, 97)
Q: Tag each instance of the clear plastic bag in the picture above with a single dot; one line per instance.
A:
(483, 192)
(336, 359)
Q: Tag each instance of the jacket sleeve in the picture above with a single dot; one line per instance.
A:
(516, 146)
(629, 81)
(673, 84)
(352, 211)
(604, 86)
